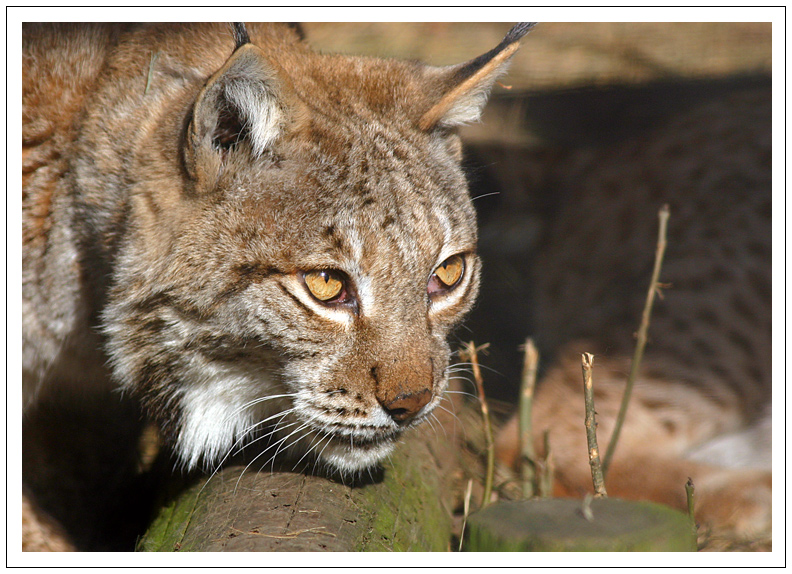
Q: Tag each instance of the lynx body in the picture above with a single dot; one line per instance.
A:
(248, 237)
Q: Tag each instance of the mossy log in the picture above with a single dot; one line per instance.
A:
(406, 507)
(599, 524)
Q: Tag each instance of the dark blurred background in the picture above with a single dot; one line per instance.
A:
(574, 92)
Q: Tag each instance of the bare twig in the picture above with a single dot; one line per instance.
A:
(150, 74)
(466, 508)
(546, 467)
(691, 501)
(654, 287)
(472, 355)
(585, 508)
(591, 428)
(288, 535)
(528, 465)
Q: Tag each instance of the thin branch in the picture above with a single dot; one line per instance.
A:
(591, 428)
(466, 509)
(691, 501)
(654, 288)
(585, 508)
(528, 464)
(546, 467)
(472, 355)
(150, 74)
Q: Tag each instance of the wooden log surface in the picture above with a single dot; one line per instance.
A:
(568, 525)
(407, 506)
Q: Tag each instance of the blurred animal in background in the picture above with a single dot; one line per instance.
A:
(701, 405)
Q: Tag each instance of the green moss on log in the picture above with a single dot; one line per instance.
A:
(410, 510)
(407, 509)
(166, 532)
(554, 525)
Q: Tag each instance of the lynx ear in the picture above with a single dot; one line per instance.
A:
(465, 87)
(241, 103)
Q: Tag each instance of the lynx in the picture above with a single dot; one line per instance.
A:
(254, 240)
(247, 237)
(701, 407)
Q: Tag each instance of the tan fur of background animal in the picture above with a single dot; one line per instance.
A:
(701, 408)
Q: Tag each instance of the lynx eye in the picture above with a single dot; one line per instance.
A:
(447, 275)
(326, 285)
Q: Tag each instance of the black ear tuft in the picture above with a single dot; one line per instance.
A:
(298, 29)
(518, 31)
(241, 36)
(465, 87)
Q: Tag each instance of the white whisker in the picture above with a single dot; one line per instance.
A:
(275, 444)
(319, 456)
(257, 401)
(431, 424)
(314, 447)
(485, 195)
(281, 444)
(471, 395)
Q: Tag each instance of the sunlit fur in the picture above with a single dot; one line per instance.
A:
(173, 204)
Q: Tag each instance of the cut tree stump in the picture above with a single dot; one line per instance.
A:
(567, 525)
(408, 508)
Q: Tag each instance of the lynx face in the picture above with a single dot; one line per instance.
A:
(307, 297)
(276, 243)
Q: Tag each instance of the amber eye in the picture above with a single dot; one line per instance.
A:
(325, 285)
(447, 274)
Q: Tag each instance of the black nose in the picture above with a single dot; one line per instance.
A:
(406, 406)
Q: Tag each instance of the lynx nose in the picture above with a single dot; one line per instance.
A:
(406, 406)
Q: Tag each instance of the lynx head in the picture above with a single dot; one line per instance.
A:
(300, 279)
